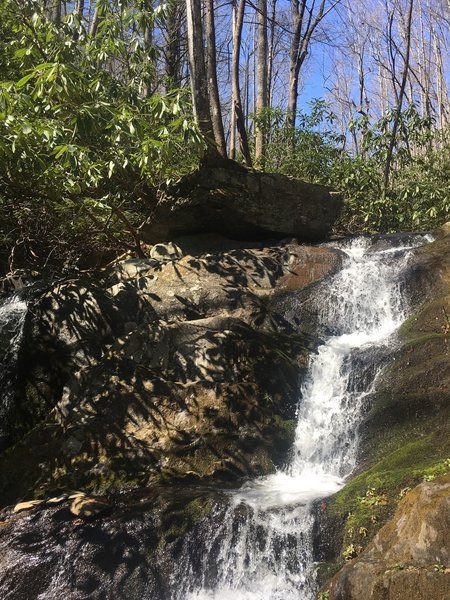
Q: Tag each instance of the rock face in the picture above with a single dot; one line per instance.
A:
(409, 557)
(244, 205)
(175, 367)
(128, 551)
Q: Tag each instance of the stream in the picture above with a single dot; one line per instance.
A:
(12, 319)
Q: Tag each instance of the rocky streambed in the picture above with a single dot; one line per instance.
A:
(145, 392)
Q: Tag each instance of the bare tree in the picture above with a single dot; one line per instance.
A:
(400, 98)
(238, 120)
(80, 8)
(172, 48)
(199, 83)
(95, 20)
(304, 23)
(213, 88)
(262, 72)
(56, 12)
(148, 43)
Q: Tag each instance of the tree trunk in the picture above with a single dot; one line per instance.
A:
(298, 12)
(148, 43)
(213, 88)
(173, 63)
(236, 92)
(57, 12)
(271, 53)
(232, 111)
(261, 99)
(197, 70)
(401, 95)
(80, 9)
(95, 21)
(304, 23)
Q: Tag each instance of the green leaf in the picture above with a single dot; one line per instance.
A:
(24, 80)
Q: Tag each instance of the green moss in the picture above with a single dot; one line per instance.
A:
(180, 517)
(370, 498)
(286, 427)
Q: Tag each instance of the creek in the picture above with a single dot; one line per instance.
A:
(12, 319)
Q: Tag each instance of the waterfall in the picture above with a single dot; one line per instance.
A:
(262, 546)
(12, 320)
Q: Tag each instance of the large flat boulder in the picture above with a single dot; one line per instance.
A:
(244, 205)
(172, 366)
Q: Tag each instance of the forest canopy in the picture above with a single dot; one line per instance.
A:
(102, 104)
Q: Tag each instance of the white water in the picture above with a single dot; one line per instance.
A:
(12, 319)
(262, 547)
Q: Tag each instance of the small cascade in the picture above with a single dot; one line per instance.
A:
(12, 320)
(262, 545)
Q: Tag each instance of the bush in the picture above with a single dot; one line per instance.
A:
(81, 149)
(419, 194)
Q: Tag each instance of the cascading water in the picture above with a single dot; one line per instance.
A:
(261, 548)
(12, 319)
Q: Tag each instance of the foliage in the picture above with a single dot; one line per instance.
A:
(310, 151)
(81, 146)
(87, 138)
(419, 197)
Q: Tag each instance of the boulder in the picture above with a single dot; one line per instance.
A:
(164, 369)
(202, 399)
(237, 281)
(129, 553)
(409, 556)
(243, 204)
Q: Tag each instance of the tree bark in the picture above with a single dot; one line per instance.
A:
(80, 9)
(236, 92)
(304, 24)
(271, 53)
(298, 13)
(232, 110)
(57, 12)
(95, 21)
(213, 88)
(400, 97)
(261, 99)
(197, 70)
(148, 43)
(173, 66)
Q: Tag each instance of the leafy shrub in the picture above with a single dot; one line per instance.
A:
(81, 148)
(419, 195)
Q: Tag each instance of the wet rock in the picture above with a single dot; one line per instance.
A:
(244, 205)
(126, 554)
(409, 555)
